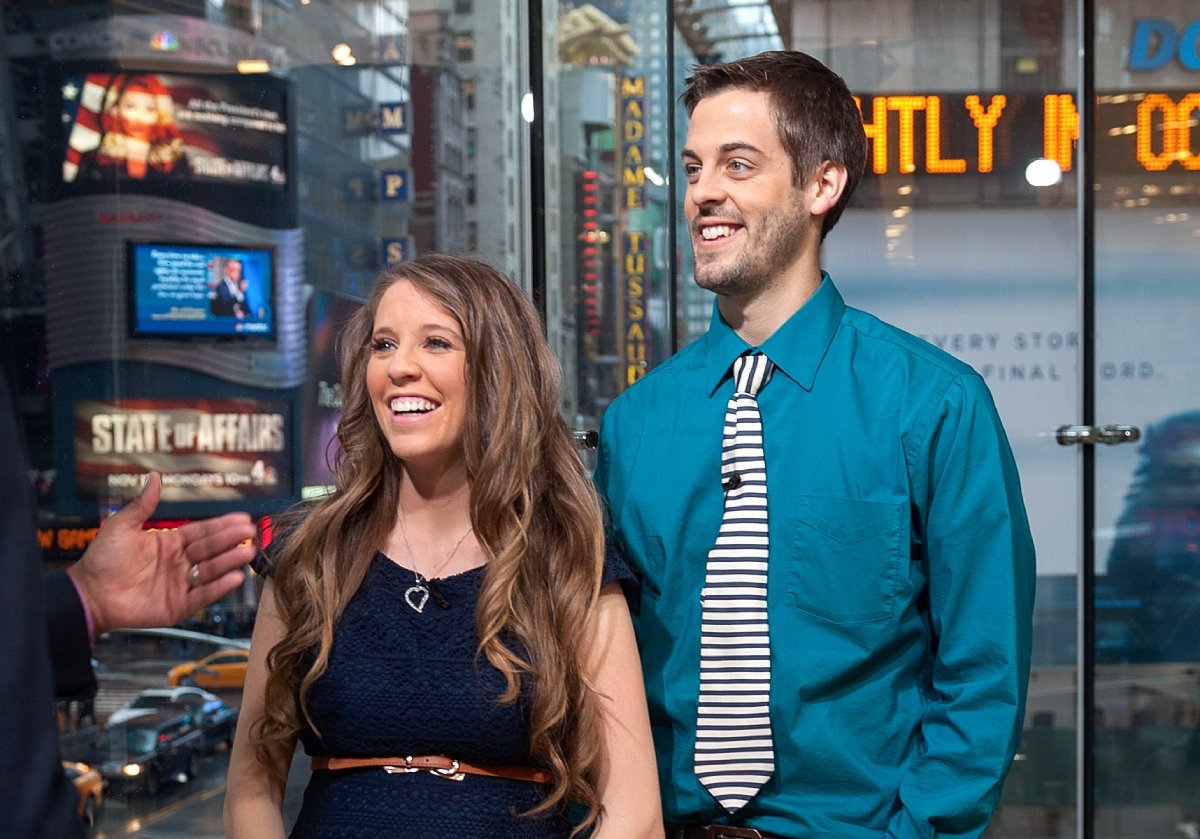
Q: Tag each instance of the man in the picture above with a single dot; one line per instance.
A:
(128, 577)
(889, 558)
(243, 308)
(229, 297)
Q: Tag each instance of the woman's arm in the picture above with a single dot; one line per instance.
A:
(253, 796)
(628, 783)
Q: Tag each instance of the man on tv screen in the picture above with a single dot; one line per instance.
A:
(229, 297)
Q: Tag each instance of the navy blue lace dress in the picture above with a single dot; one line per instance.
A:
(406, 683)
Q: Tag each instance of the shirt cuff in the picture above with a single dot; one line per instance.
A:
(87, 612)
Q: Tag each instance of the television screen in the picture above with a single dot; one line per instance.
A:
(179, 290)
(136, 126)
(217, 141)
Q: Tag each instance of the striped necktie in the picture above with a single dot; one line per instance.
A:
(734, 756)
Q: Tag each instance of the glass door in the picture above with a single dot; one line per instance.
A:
(967, 232)
(1052, 250)
(1147, 496)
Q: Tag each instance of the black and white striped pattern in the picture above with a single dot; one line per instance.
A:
(734, 756)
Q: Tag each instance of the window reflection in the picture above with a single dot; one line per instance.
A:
(373, 131)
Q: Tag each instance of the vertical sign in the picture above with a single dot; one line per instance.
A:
(632, 242)
(393, 184)
(591, 237)
(393, 118)
(634, 247)
(358, 188)
(395, 249)
(357, 121)
(391, 49)
(633, 137)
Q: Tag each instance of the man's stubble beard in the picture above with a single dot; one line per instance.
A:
(753, 268)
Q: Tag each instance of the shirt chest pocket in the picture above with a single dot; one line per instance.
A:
(844, 558)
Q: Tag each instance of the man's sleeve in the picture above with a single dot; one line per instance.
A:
(39, 799)
(982, 574)
(70, 650)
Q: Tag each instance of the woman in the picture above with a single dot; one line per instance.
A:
(140, 130)
(449, 610)
(134, 135)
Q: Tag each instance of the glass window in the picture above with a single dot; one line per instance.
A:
(187, 297)
(1146, 541)
(608, 262)
(149, 297)
(969, 230)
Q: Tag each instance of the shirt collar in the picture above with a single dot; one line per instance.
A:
(796, 348)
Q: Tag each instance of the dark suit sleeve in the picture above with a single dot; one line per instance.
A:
(222, 304)
(39, 799)
(70, 653)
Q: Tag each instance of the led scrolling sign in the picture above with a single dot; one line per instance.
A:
(982, 133)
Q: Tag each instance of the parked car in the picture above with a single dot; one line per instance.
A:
(216, 718)
(142, 753)
(160, 699)
(218, 722)
(90, 786)
(222, 669)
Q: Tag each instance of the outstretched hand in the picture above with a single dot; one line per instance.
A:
(139, 578)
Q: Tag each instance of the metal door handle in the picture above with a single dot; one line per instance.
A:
(586, 437)
(1090, 435)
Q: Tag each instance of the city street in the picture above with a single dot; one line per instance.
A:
(187, 811)
(127, 663)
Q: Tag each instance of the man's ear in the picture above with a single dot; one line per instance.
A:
(826, 187)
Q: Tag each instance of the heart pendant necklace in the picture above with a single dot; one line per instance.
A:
(417, 595)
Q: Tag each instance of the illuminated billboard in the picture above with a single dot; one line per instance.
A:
(215, 140)
(206, 449)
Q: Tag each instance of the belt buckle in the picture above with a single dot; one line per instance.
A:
(722, 831)
(450, 773)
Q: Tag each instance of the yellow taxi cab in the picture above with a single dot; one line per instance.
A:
(90, 787)
(222, 669)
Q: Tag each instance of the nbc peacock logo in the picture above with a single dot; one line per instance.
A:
(164, 42)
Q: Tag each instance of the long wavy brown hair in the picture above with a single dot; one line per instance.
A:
(534, 510)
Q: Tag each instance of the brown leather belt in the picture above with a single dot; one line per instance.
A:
(440, 765)
(713, 831)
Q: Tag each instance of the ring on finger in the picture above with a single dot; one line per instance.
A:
(194, 575)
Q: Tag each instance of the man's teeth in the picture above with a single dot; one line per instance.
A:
(716, 231)
(409, 405)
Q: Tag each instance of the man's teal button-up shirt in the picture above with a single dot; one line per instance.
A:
(901, 579)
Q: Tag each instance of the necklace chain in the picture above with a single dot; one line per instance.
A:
(418, 594)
